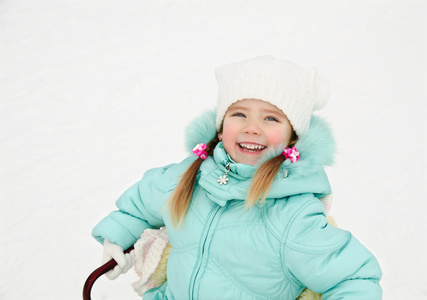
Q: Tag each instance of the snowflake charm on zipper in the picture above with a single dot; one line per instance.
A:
(223, 179)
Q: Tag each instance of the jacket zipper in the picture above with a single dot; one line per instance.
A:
(213, 213)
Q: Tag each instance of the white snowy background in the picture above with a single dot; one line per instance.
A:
(93, 93)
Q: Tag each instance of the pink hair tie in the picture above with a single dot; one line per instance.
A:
(199, 151)
(291, 153)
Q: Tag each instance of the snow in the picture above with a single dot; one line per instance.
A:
(93, 93)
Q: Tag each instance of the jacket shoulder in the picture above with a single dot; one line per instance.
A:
(281, 213)
(309, 229)
(167, 178)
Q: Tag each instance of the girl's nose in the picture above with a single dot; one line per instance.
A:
(252, 128)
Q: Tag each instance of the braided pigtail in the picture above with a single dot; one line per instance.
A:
(264, 176)
(181, 196)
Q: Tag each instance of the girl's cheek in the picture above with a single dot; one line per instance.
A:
(229, 130)
(277, 138)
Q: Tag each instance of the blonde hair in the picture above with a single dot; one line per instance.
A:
(181, 196)
(264, 176)
(261, 183)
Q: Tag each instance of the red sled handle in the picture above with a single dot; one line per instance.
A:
(98, 273)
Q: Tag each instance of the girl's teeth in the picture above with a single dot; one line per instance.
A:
(252, 146)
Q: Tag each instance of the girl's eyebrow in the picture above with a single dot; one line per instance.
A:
(237, 107)
(274, 112)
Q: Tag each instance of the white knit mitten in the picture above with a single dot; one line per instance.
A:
(148, 254)
(124, 261)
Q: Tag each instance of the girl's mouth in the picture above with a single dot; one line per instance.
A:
(251, 148)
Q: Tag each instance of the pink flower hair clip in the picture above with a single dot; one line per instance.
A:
(199, 151)
(291, 153)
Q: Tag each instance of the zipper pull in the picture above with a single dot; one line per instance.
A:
(223, 179)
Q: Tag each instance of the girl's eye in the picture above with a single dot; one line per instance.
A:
(239, 115)
(271, 119)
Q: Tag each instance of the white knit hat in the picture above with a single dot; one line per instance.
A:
(297, 91)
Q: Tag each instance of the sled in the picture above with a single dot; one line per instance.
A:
(98, 273)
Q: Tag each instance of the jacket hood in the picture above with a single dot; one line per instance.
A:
(316, 147)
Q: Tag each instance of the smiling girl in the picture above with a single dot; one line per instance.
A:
(243, 213)
(251, 127)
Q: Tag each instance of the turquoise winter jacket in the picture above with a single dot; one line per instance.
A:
(271, 251)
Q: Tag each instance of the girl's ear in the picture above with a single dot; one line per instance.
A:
(220, 136)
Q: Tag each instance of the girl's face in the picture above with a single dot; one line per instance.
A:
(252, 126)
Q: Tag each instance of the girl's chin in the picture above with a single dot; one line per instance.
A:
(250, 162)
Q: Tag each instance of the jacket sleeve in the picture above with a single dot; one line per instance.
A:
(139, 207)
(327, 259)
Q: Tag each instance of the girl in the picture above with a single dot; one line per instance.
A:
(243, 214)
